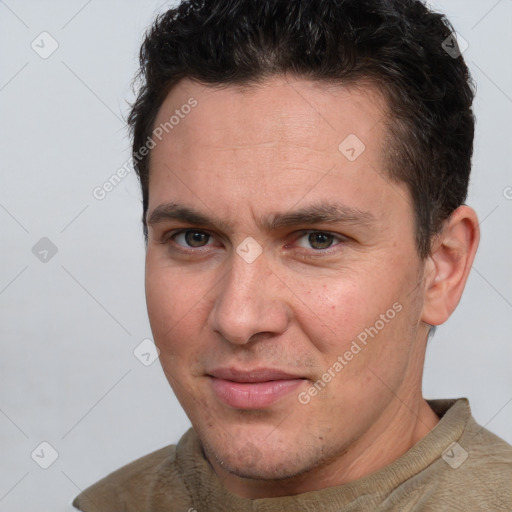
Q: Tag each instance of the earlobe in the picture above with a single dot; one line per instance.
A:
(449, 264)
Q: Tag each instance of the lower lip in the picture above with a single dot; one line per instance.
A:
(253, 395)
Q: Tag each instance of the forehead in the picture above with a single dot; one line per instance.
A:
(295, 109)
(271, 146)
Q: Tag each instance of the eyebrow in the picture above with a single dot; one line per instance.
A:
(323, 213)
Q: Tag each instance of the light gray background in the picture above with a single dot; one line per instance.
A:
(69, 326)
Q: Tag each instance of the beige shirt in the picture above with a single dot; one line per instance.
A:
(457, 466)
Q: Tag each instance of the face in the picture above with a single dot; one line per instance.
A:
(282, 278)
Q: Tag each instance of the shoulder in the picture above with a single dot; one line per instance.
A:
(485, 453)
(474, 471)
(128, 487)
(486, 450)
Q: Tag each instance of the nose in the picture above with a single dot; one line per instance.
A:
(250, 300)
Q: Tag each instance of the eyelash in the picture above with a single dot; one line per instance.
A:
(314, 252)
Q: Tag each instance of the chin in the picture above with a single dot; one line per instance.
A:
(247, 457)
(251, 463)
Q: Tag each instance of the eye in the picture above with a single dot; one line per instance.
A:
(191, 238)
(318, 240)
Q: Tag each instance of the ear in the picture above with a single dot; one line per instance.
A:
(447, 268)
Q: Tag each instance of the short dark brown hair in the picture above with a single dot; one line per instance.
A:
(399, 45)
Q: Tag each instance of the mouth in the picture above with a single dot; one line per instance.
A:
(252, 389)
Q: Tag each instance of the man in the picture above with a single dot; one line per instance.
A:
(304, 167)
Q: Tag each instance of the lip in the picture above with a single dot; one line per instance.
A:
(252, 389)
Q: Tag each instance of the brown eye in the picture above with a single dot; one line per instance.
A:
(319, 240)
(194, 238)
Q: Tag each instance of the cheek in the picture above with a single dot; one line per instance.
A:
(361, 317)
(161, 299)
(336, 312)
(174, 303)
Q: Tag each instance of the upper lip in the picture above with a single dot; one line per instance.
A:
(252, 375)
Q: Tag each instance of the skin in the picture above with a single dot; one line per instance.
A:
(243, 156)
